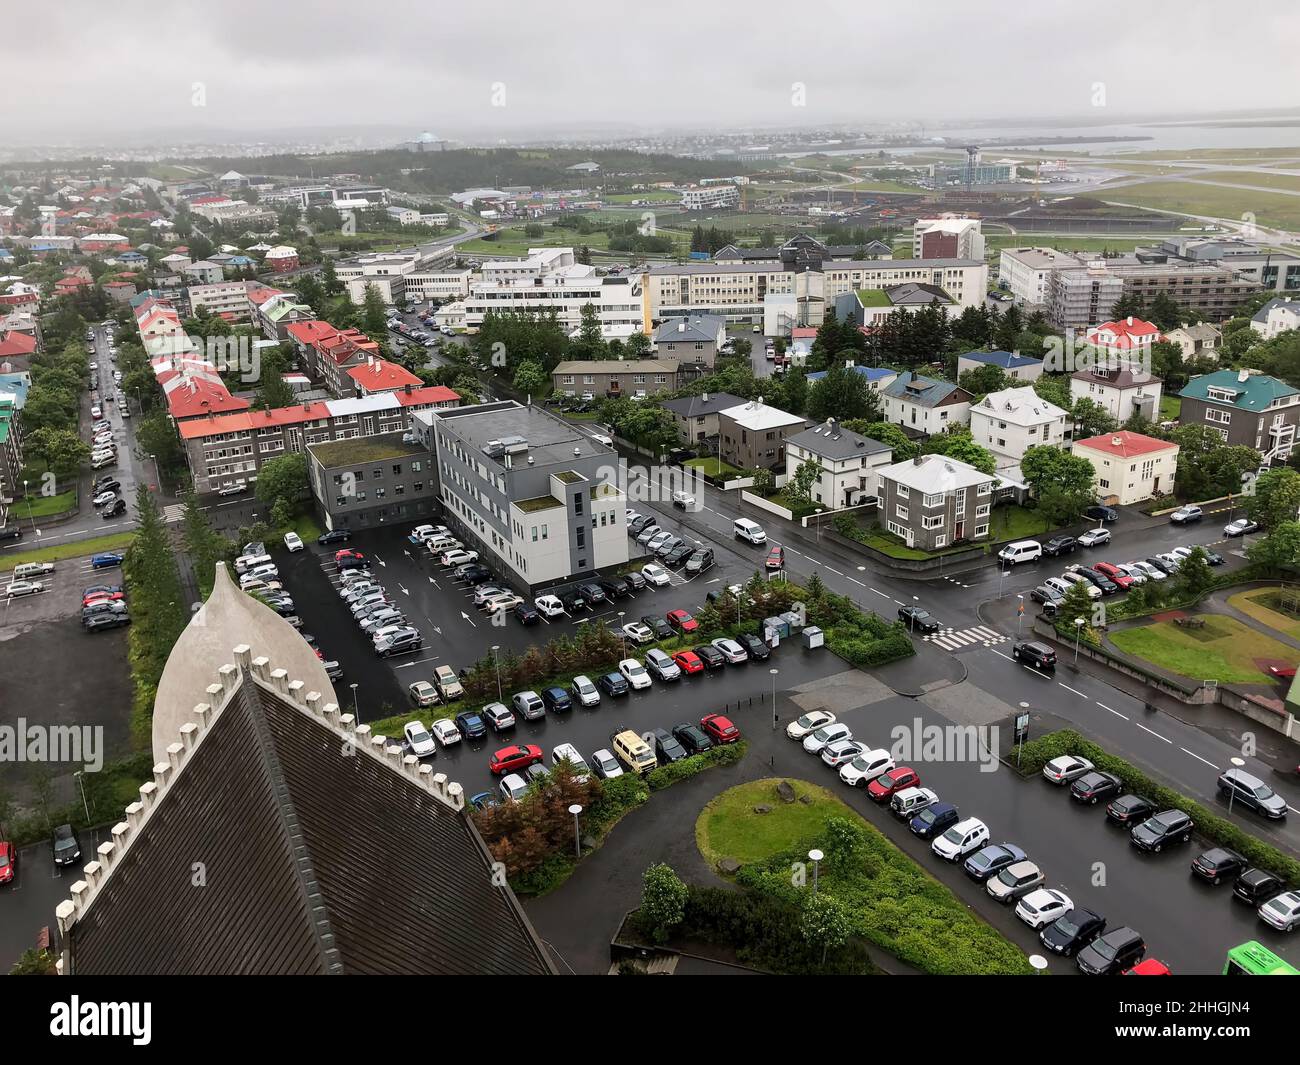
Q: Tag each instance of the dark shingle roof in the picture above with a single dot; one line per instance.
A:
(699, 406)
(836, 442)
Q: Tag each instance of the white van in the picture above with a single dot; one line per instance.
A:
(248, 562)
(749, 530)
(1021, 551)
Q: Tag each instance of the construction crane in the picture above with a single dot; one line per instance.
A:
(972, 161)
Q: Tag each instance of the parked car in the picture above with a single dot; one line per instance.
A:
(840, 752)
(612, 684)
(634, 673)
(1060, 545)
(638, 632)
(692, 737)
(655, 574)
(885, 786)
(65, 847)
(1101, 512)
(992, 859)
(1014, 881)
(1043, 906)
(657, 625)
(557, 700)
(1219, 864)
(401, 642)
(593, 595)
(1111, 953)
(1249, 791)
(614, 589)
(961, 839)
(1129, 810)
(1115, 574)
(635, 581)
(662, 666)
(688, 662)
(526, 614)
(1094, 537)
(1066, 768)
(1186, 515)
(682, 621)
(731, 651)
(109, 620)
(1072, 931)
(514, 758)
(934, 820)
(1257, 885)
(419, 740)
(775, 558)
(605, 765)
(1282, 911)
(1240, 527)
(528, 705)
(756, 649)
(699, 560)
(1162, 829)
(863, 769)
(809, 722)
(423, 693)
(819, 738)
(584, 691)
(498, 717)
(668, 748)
(1095, 786)
(711, 657)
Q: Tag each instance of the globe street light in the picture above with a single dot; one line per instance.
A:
(576, 809)
(815, 856)
(356, 714)
(1238, 763)
(1039, 963)
(496, 661)
(774, 672)
(1078, 631)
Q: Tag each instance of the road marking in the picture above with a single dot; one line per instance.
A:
(855, 581)
(1200, 759)
(1001, 655)
(1155, 734)
(467, 618)
(1069, 689)
(898, 601)
(1115, 712)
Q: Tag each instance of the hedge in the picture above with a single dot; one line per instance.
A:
(1209, 825)
(685, 768)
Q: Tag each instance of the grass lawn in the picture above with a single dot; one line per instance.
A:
(44, 506)
(1188, 197)
(1225, 650)
(729, 828)
(1117, 242)
(879, 186)
(76, 549)
(711, 466)
(1265, 605)
(1016, 523)
(1170, 408)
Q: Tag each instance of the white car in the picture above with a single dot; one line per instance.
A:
(657, 541)
(513, 787)
(458, 557)
(810, 722)
(585, 691)
(567, 752)
(423, 693)
(638, 633)
(684, 500)
(17, 588)
(605, 764)
(445, 731)
(1181, 553)
(1282, 911)
(1071, 577)
(1240, 527)
(655, 574)
(1066, 769)
(418, 737)
(731, 650)
(1093, 537)
(293, 541)
(484, 592)
(634, 673)
(962, 839)
(549, 605)
(1154, 573)
(841, 752)
(866, 767)
(1136, 575)
(103, 499)
(819, 738)
(233, 489)
(503, 601)
(1042, 906)
(95, 412)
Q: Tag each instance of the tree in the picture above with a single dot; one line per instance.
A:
(962, 447)
(1279, 547)
(824, 922)
(799, 488)
(900, 444)
(61, 450)
(374, 313)
(532, 379)
(157, 434)
(984, 379)
(1164, 312)
(1090, 418)
(764, 481)
(283, 477)
(663, 901)
(638, 346)
(1055, 388)
(1061, 482)
(204, 546)
(34, 962)
(843, 394)
(1195, 574)
(1274, 497)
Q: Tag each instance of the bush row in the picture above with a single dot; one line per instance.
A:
(1212, 827)
(670, 774)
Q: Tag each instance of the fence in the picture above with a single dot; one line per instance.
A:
(766, 504)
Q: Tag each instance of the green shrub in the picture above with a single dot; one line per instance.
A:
(1214, 828)
(667, 775)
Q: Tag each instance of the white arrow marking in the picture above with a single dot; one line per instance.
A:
(466, 617)
(404, 591)
(379, 560)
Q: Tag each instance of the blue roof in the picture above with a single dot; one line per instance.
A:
(17, 384)
(871, 373)
(1008, 360)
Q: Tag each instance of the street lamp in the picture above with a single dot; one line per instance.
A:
(1039, 963)
(496, 661)
(912, 617)
(774, 672)
(819, 525)
(356, 714)
(815, 856)
(81, 779)
(622, 636)
(1238, 762)
(1078, 631)
(1020, 611)
(576, 809)
(1020, 733)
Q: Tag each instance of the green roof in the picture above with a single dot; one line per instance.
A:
(1256, 393)
(569, 477)
(874, 297)
(531, 506)
(361, 449)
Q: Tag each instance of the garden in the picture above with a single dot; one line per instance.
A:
(1221, 648)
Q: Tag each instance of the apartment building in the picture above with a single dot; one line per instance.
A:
(696, 417)
(1012, 421)
(398, 276)
(327, 354)
(204, 272)
(1121, 388)
(1247, 408)
(374, 481)
(612, 378)
(740, 291)
(226, 299)
(536, 497)
(947, 237)
(932, 501)
(281, 310)
(692, 339)
(850, 464)
(11, 452)
(230, 448)
(377, 375)
(1027, 272)
(1129, 467)
(925, 404)
(1081, 295)
(711, 198)
(752, 435)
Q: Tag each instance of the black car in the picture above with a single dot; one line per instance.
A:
(95, 622)
(757, 650)
(917, 619)
(711, 657)
(106, 484)
(1167, 568)
(1212, 557)
(474, 574)
(471, 724)
(1257, 886)
(1129, 810)
(572, 600)
(1047, 596)
(678, 555)
(1099, 579)
(1101, 513)
(114, 509)
(634, 581)
(1035, 654)
(1072, 931)
(667, 747)
(64, 845)
(692, 737)
(527, 614)
(1218, 864)
(614, 588)
(334, 536)
(1162, 829)
(592, 593)
(11, 532)
(557, 700)
(934, 820)
(1095, 786)
(1060, 545)
(612, 684)
(700, 560)
(640, 523)
(659, 626)
(1111, 953)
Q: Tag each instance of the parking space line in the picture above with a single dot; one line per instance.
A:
(1155, 734)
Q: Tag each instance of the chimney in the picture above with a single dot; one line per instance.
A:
(408, 389)
(918, 460)
(1243, 376)
(704, 397)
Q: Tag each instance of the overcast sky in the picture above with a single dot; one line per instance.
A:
(86, 67)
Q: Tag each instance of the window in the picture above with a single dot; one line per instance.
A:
(543, 532)
(399, 489)
(397, 469)
(933, 499)
(534, 534)
(982, 511)
(1224, 417)
(932, 521)
(900, 512)
(577, 505)
(941, 541)
(902, 491)
(981, 530)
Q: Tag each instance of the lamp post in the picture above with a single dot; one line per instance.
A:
(912, 617)
(1020, 611)
(1039, 963)
(1020, 733)
(356, 713)
(81, 779)
(622, 636)
(815, 856)
(819, 526)
(1238, 763)
(1078, 631)
(496, 662)
(774, 672)
(576, 809)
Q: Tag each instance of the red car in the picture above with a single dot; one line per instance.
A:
(689, 662)
(719, 729)
(682, 621)
(347, 552)
(883, 787)
(516, 758)
(775, 558)
(1116, 574)
(1150, 967)
(92, 597)
(8, 862)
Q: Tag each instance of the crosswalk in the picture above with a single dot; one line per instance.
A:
(173, 513)
(955, 639)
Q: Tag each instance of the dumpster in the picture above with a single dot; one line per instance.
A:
(813, 637)
(794, 619)
(778, 625)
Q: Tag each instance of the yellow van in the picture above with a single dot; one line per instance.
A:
(634, 752)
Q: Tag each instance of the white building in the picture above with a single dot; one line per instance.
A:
(227, 298)
(1276, 316)
(925, 404)
(849, 464)
(1122, 390)
(710, 198)
(204, 273)
(1027, 272)
(1010, 422)
(1129, 467)
(947, 237)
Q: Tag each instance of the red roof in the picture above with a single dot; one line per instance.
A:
(311, 331)
(1131, 332)
(198, 396)
(428, 394)
(12, 343)
(259, 295)
(379, 375)
(1125, 445)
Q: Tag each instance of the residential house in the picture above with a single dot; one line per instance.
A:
(1016, 366)
(696, 417)
(1012, 421)
(1246, 407)
(849, 462)
(1276, 316)
(1128, 334)
(1122, 387)
(925, 404)
(932, 501)
(377, 375)
(326, 354)
(204, 272)
(1200, 341)
(752, 435)
(1129, 467)
(693, 339)
(878, 378)
(600, 378)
